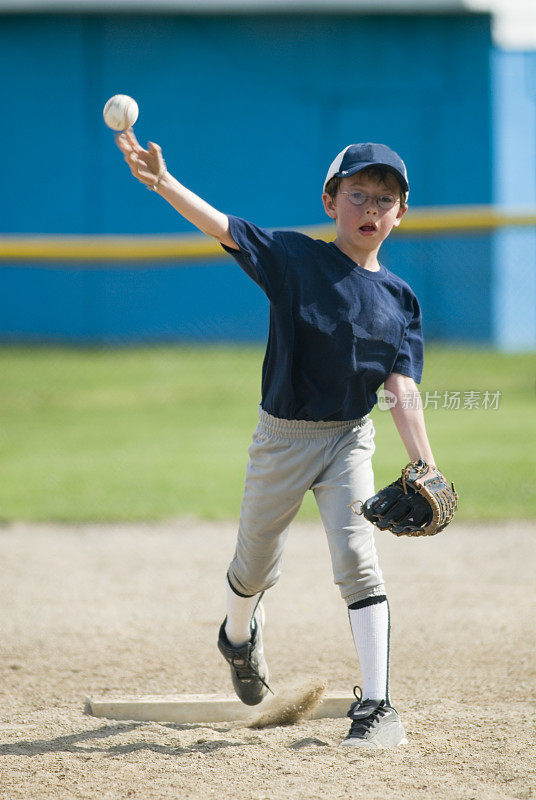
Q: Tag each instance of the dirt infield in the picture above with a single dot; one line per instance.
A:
(96, 610)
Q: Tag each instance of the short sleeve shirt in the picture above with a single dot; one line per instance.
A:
(337, 330)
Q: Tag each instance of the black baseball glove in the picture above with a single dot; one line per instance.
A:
(420, 503)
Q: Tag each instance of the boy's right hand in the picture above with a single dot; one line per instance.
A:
(147, 166)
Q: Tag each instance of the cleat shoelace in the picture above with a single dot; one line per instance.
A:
(241, 666)
(364, 724)
(243, 669)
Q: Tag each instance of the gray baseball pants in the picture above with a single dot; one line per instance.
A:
(286, 458)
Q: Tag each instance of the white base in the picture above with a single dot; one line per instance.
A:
(185, 708)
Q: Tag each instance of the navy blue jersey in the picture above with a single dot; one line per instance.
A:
(337, 330)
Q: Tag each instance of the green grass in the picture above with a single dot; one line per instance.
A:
(153, 433)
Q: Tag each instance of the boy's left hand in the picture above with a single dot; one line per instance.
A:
(420, 503)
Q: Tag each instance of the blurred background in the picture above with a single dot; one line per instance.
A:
(131, 351)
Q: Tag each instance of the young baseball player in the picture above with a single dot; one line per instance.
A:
(341, 325)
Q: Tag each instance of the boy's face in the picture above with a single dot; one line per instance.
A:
(365, 226)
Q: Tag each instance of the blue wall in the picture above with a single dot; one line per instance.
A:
(514, 251)
(250, 111)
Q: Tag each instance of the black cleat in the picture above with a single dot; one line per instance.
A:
(249, 671)
(375, 725)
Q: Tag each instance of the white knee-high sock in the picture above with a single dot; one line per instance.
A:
(239, 612)
(369, 620)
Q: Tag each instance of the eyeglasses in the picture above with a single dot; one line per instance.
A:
(384, 201)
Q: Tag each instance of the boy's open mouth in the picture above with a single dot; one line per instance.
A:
(369, 227)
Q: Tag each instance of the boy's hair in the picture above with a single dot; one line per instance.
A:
(377, 173)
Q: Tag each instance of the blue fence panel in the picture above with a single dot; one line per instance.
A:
(250, 110)
(514, 253)
(113, 305)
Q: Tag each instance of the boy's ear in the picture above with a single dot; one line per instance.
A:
(401, 211)
(329, 205)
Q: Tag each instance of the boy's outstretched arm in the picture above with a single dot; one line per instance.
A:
(409, 417)
(149, 167)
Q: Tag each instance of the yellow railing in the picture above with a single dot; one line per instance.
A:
(192, 247)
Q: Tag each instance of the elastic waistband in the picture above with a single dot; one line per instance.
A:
(306, 429)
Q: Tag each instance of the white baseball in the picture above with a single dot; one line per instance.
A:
(120, 112)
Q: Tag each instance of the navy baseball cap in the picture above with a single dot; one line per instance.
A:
(356, 157)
